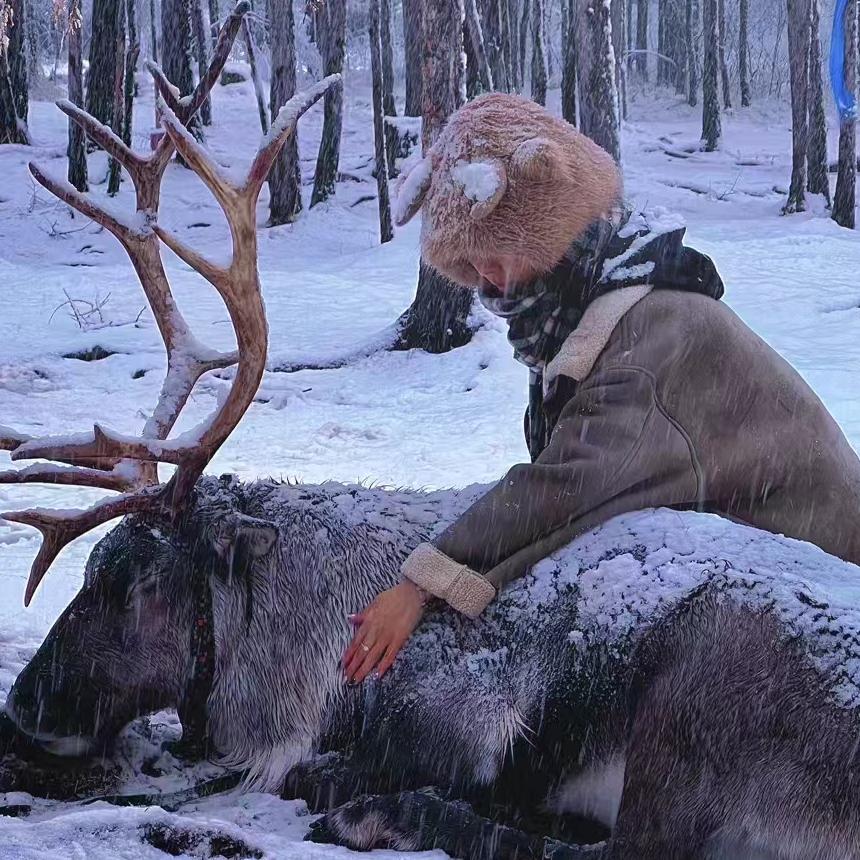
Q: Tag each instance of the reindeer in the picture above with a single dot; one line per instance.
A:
(631, 691)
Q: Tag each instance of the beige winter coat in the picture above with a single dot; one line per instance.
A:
(679, 404)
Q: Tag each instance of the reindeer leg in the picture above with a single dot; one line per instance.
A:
(424, 821)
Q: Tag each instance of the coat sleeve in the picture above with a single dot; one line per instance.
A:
(614, 450)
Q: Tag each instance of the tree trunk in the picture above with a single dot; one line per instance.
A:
(438, 319)
(799, 31)
(691, 26)
(176, 50)
(386, 231)
(507, 48)
(662, 51)
(598, 112)
(412, 50)
(153, 32)
(844, 201)
(200, 49)
(214, 22)
(524, 29)
(114, 167)
(331, 41)
(483, 76)
(131, 58)
(678, 45)
(77, 138)
(539, 75)
(285, 198)
(642, 38)
(388, 106)
(251, 51)
(724, 69)
(514, 70)
(630, 31)
(743, 53)
(818, 180)
(618, 36)
(711, 122)
(491, 27)
(569, 67)
(14, 96)
(102, 68)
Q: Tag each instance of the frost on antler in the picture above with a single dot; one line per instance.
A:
(108, 460)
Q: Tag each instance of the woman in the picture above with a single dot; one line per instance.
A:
(645, 390)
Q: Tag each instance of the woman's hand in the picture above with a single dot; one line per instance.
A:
(383, 628)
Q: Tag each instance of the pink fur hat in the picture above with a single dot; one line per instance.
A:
(506, 177)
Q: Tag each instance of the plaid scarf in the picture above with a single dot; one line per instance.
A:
(626, 249)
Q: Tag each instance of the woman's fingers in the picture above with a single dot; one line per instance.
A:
(371, 659)
(358, 638)
(389, 657)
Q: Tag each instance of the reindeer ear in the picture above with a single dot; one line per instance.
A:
(536, 158)
(238, 534)
(411, 191)
(487, 189)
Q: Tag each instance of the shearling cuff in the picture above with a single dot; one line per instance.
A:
(463, 589)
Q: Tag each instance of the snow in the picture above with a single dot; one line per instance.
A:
(480, 180)
(331, 407)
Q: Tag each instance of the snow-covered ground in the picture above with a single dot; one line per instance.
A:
(331, 290)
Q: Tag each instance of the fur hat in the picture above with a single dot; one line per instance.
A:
(506, 177)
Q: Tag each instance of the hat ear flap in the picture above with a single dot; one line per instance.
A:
(536, 158)
(411, 191)
(482, 208)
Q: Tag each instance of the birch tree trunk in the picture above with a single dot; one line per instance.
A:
(539, 73)
(844, 200)
(799, 31)
(743, 52)
(331, 41)
(386, 231)
(818, 180)
(711, 122)
(438, 319)
(285, 197)
(77, 139)
(14, 96)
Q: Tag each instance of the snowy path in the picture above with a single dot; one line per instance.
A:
(395, 418)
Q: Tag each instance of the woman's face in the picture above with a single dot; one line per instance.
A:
(505, 272)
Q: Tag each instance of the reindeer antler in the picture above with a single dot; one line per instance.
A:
(109, 460)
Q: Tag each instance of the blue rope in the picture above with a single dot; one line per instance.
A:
(844, 98)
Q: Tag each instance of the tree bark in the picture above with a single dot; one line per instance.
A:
(153, 32)
(131, 58)
(743, 52)
(117, 123)
(818, 180)
(662, 52)
(619, 26)
(176, 49)
(514, 70)
(598, 112)
(14, 96)
(524, 38)
(412, 50)
(77, 138)
(200, 49)
(642, 38)
(331, 41)
(386, 231)
(724, 69)
(569, 67)
(799, 32)
(539, 73)
(691, 26)
(483, 75)
(214, 22)
(438, 319)
(711, 122)
(102, 68)
(388, 106)
(844, 200)
(251, 51)
(491, 27)
(285, 198)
